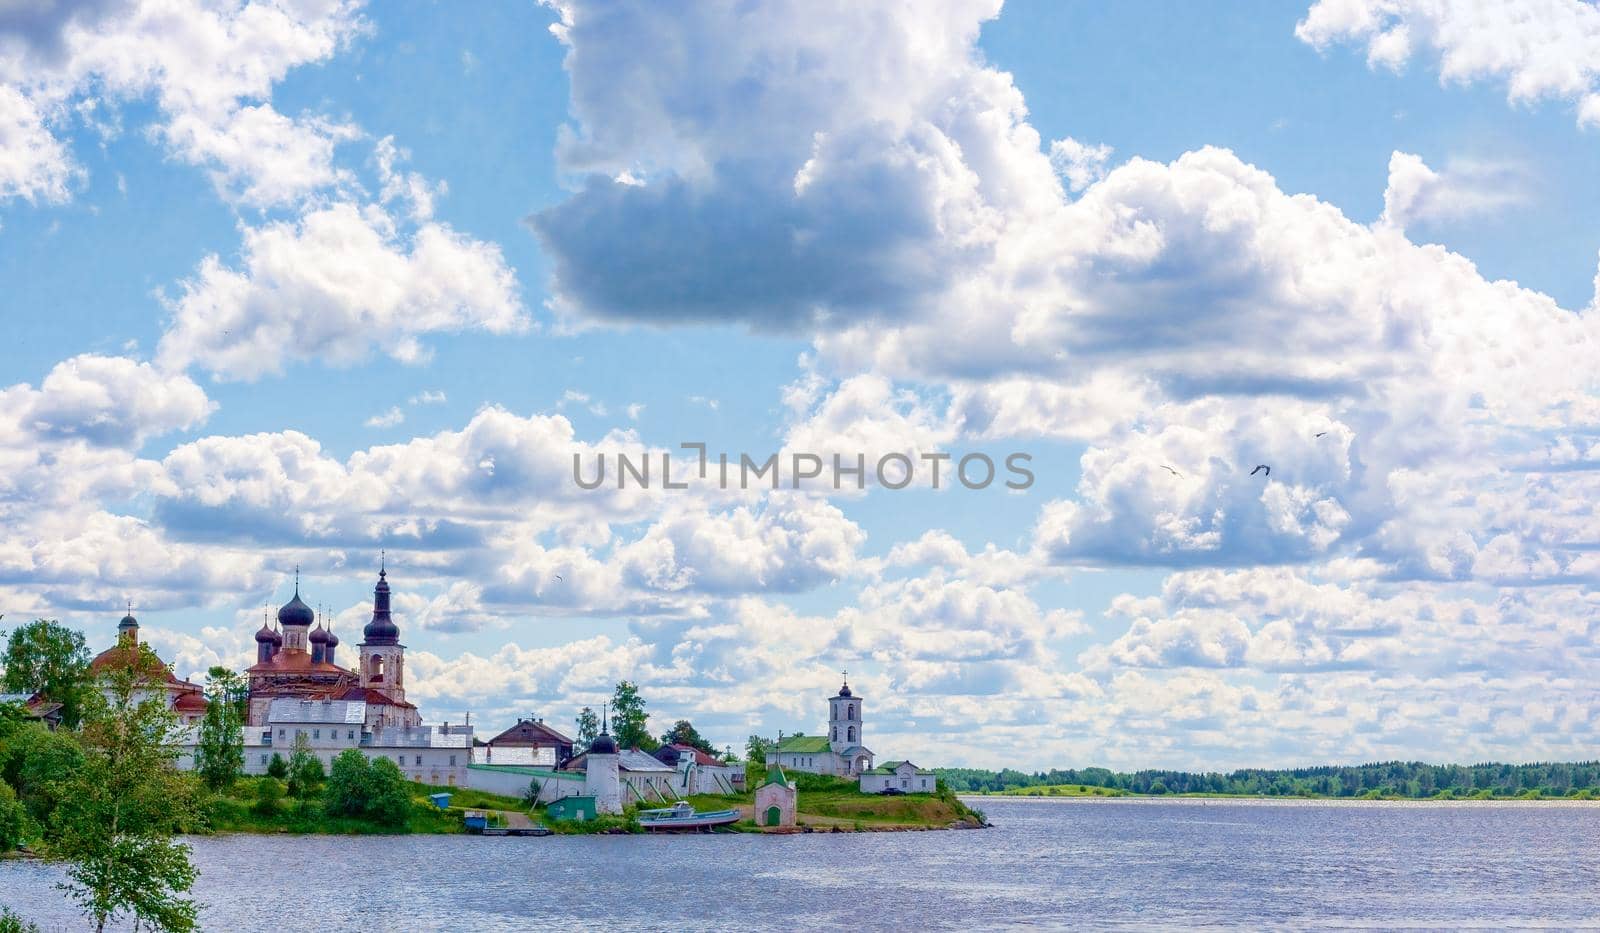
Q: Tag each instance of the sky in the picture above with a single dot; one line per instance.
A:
(322, 284)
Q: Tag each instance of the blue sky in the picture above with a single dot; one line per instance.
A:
(292, 283)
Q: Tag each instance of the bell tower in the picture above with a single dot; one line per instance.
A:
(844, 718)
(382, 656)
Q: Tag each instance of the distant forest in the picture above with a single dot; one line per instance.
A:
(1383, 779)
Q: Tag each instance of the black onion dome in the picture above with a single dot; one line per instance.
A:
(603, 744)
(333, 640)
(381, 630)
(319, 636)
(266, 636)
(844, 691)
(296, 612)
(128, 621)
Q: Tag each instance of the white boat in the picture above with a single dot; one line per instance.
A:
(681, 817)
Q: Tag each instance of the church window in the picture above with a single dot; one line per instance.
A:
(850, 711)
(316, 733)
(852, 737)
(836, 732)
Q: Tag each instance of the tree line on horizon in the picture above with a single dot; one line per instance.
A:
(1412, 779)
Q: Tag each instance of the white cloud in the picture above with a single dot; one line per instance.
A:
(1417, 193)
(428, 397)
(210, 70)
(105, 400)
(1542, 50)
(387, 419)
(336, 285)
(1079, 163)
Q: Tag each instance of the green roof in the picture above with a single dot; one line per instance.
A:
(775, 775)
(889, 766)
(805, 744)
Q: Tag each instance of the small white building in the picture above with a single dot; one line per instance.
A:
(427, 754)
(777, 800)
(899, 775)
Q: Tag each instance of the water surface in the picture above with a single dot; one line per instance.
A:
(1047, 863)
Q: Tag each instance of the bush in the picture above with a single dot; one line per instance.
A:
(13, 819)
(269, 797)
(11, 923)
(370, 790)
(277, 767)
(305, 774)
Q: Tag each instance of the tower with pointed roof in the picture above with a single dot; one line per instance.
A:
(383, 658)
(844, 719)
(602, 770)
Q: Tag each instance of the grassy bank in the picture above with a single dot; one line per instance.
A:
(829, 803)
(240, 810)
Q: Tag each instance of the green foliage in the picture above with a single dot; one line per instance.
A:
(36, 763)
(530, 797)
(13, 819)
(219, 752)
(683, 732)
(11, 923)
(278, 768)
(369, 790)
(1413, 779)
(305, 770)
(756, 749)
(630, 723)
(269, 797)
(588, 726)
(119, 808)
(48, 658)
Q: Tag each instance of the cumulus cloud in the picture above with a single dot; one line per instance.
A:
(105, 400)
(1417, 193)
(210, 70)
(1545, 50)
(337, 284)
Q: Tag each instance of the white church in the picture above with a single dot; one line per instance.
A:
(840, 752)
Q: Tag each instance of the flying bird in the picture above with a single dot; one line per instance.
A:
(1321, 433)
(1170, 470)
(1260, 467)
(558, 576)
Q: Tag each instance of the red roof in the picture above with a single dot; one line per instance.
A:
(190, 701)
(121, 655)
(700, 757)
(531, 733)
(373, 698)
(294, 662)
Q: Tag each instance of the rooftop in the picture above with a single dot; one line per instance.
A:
(804, 745)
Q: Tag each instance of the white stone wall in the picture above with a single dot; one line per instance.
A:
(910, 783)
(604, 780)
(513, 782)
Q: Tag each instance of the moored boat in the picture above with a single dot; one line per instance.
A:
(681, 817)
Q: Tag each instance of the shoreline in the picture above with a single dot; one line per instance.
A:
(1262, 799)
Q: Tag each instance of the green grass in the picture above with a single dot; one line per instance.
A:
(468, 799)
(235, 811)
(826, 802)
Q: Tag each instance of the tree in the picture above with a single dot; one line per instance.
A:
(588, 726)
(530, 797)
(629, 720)
(683, 732)
(47, 658)
(371, 790)
(119, 809)
(219, 750)
(277, 767)
(305, 770)
(13, 819)
(756, 748)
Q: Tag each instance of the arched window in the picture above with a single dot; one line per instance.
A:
(836, 733)
(852, 736)
(376, 667)
(850, 711)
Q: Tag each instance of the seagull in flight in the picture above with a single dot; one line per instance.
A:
(1321, 433)
(1170, 470)
(558, 576)
(1260, 467)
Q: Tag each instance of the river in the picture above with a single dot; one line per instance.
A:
(1138, 863)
